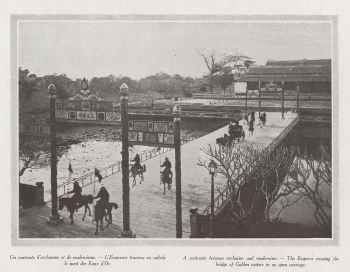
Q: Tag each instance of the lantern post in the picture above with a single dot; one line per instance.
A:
(212, 171)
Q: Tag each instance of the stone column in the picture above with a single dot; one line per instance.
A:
(126, 232)
(54, 218)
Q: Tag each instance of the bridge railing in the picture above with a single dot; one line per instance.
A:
(220, 200)
(219, 203)
(90, 178)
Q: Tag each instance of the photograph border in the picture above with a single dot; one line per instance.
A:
(60, 242)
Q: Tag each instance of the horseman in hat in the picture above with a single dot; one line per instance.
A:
(77, 192)
(167, 165)
(137, 162)
(103, 196)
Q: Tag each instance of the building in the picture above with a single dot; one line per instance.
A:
(311, 76)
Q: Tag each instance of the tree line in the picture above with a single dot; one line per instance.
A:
(222, 71)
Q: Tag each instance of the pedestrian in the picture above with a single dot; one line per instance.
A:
(253, 117)
(251, 128)
(244, 123)
(230, 129)
(264, 118)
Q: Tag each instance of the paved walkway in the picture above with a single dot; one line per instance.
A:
(153, 214)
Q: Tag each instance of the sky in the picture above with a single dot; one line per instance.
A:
(139, 49)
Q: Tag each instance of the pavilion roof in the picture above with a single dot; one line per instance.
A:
(312, 73)
(303, 62)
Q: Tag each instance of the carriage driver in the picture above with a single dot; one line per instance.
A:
(103, 196)
(137, 162)
(166, 164)
(77, 192)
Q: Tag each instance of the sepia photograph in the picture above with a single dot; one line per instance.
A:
(179, 128)
(174, 129)
(174, 136)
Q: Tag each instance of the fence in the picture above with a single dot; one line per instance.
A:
(110, 170)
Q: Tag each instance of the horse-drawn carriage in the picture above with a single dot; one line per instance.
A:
(234, 134)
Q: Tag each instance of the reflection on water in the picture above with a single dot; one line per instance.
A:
(303, 210)
(84, 157)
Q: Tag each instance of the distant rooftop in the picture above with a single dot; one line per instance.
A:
(291, 70)
(303, 62)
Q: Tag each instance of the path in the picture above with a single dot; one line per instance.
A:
(153, 214)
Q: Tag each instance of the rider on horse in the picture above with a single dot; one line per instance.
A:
(77, 192)
(102, 203)
(167, 165)
(137, 162)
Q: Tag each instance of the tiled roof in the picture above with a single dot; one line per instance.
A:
(290, 70)
(303, 62)
(285, 78)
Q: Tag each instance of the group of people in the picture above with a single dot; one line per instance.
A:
(248, 122)
(103, 194)
(137, 160)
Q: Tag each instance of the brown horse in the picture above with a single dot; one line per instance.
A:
(100, 213)
(72, 206)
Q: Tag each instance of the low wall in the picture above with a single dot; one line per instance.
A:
(30, 195)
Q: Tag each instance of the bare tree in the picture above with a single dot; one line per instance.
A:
(252, 174)
(272, 174)
(214, 65)
(238, 165)
(312, 174)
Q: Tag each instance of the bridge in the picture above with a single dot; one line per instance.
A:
(153, 214)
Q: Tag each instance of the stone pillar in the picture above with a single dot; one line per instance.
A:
(126, 232)
(282, 100)
(54, 218)
(39, 194)
(193, 222)
(298, 100)
(177, 143)
(259, 97)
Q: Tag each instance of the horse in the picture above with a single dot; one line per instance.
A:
(135, 172)
(226, 140)
(72, 206)
(100, 213)
(166, 177)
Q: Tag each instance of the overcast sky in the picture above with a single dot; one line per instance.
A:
(139, 49)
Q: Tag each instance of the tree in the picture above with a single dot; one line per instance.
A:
(312, 175)
(34, 152)
(271, 173)
(222, 71)
(27, 84)
(254, 175)
(224, 78)
(147, 99)
(237, 165)
(214, 65)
